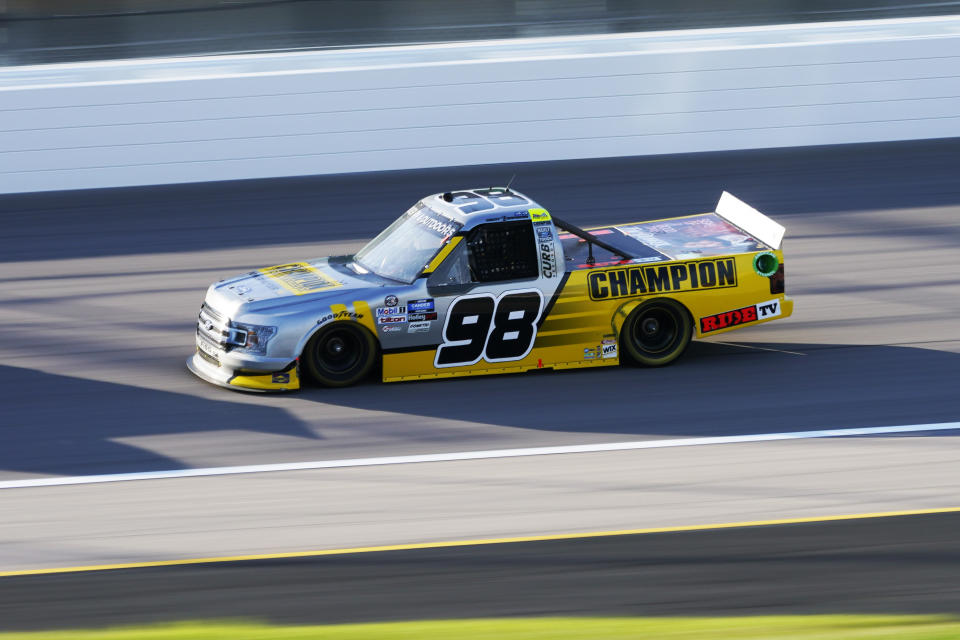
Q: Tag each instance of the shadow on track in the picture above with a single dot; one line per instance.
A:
(716, 389)
(61, 424)
(65, 425)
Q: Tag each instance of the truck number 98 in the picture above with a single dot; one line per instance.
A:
(481, 327)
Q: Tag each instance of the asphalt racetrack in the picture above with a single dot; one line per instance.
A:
(98, 296)
(887, 566)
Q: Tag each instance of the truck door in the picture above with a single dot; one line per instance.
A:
(493, 289)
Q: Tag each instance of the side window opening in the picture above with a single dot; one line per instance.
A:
(455, 269)
(503, 251)
(492, 253)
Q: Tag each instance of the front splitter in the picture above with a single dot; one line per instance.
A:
(269, 382)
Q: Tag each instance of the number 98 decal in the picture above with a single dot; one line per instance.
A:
(481, 327)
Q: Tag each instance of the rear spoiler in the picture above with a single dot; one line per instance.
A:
(748, 219)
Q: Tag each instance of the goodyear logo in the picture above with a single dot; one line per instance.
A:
(299, 278)
(697, 275)
(539, 215)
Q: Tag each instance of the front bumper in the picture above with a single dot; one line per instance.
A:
(286, 379)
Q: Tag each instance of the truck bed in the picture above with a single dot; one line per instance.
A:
(684, 238)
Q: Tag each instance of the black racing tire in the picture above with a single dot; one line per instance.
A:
(340, 355)
(657, 332)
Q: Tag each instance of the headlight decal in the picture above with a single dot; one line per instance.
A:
(250, 338)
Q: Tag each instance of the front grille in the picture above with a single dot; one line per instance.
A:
(210, 311)
(209, 358)
(212, 325)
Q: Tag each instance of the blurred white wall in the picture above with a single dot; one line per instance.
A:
(159, 121)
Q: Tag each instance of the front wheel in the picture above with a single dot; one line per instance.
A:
(340, 355)
(657, 332)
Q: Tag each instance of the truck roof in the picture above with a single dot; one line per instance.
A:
(680, 238)
(470, 207)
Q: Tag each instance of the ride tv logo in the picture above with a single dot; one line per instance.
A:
(744, 315)
(768, 309)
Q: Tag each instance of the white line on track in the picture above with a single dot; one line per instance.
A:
(472, 455)
(744, 345)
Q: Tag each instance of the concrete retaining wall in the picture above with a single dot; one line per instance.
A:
(202, 119)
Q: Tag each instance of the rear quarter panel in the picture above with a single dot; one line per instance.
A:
(705, 287)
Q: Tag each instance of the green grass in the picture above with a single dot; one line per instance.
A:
(846, 627)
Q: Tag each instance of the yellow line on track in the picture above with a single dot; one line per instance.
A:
(482, 541)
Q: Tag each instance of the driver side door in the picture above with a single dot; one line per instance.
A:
(489, 288)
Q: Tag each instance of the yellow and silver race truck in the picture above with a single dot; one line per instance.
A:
(486, 281)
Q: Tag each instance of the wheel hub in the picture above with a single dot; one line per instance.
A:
(336, 347)
(656, 331)
(650, 326)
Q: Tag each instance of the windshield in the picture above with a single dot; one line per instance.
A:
(407, 246)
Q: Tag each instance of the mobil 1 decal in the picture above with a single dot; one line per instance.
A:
(483, 327)
(715, 273)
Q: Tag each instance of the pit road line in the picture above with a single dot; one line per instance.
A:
(467, 543)
(473, 455)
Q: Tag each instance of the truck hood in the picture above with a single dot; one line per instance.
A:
(288, 285)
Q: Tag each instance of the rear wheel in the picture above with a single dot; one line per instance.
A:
(657, 332)
(340, 355)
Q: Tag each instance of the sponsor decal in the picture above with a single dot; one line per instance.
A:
(440, 225)
(419, 327)
(539, 215)
(768, 309)
(340, 315)
(728, 319)
(391, 301)
(281, 378)
(692, 237)
(548, 259)
(610, 338)
(420, 306)
(418, 317)
(544, 232)
(391, 311)
(299, 278)
(759, 311)
(590, 353)
(390, 328)
(715, 273)
(391, 319)
(608, 351)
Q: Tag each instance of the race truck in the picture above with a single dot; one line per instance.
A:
(486, 281)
